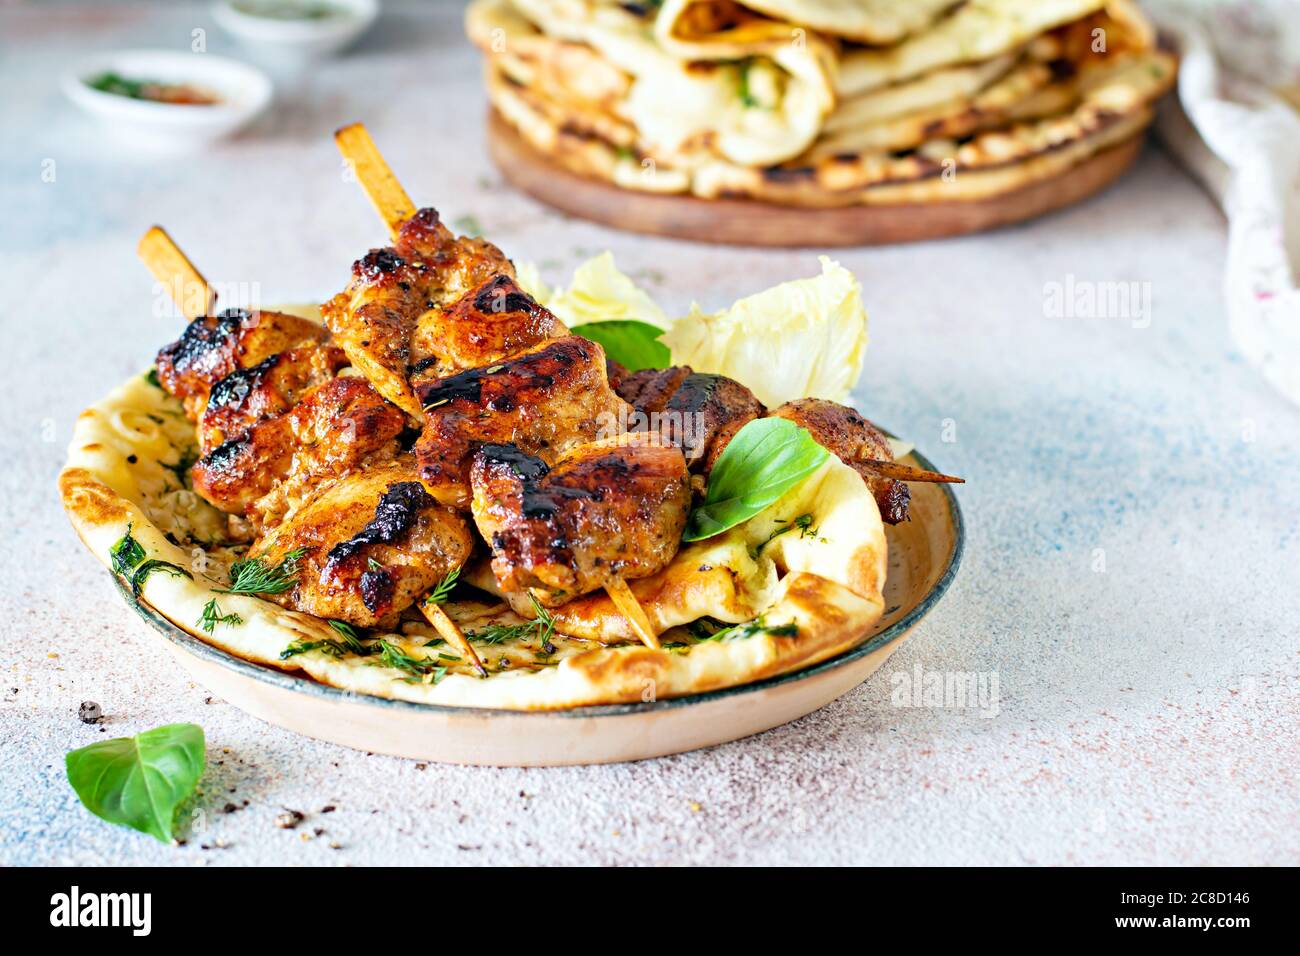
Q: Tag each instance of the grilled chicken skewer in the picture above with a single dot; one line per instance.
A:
(174, 270)
(723, 406)
(427, 266)
(605, 512)
(281, 433)
(548, 400)
(545, 401)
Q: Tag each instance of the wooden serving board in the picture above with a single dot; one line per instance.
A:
(744, 222)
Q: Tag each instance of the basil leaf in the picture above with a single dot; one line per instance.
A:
(634, 345)
(767, 458)
(139, 781)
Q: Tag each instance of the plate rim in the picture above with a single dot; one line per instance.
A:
(296, 683)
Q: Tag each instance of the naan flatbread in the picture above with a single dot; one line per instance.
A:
(979, 30)
(1047, 79)
(815, 595)
(756, 109)
(877, 22)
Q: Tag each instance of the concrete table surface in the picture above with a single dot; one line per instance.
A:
(1134, 521)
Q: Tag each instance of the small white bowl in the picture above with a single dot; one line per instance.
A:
(297, 41)
(243, 92)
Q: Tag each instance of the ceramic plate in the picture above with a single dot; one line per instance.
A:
(923, 557)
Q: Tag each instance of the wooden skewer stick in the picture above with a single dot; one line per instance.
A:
(450, 632)
(631, 608)
(173, 269)
(395, 207)
(385, 192)
(890, 469)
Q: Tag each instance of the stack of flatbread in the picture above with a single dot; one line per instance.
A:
(821, 102)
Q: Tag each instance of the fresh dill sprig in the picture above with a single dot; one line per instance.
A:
(544, 622)
(351, 639)
(424, 670)
(255, 576)
(212, 616)
(803, 523)
(348, 642)
(499, 633)
(542, 627)
(738, 632)
(443, 591)
(325, 645)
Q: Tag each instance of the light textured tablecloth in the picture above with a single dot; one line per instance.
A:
(1134, 518)
(1236, 125)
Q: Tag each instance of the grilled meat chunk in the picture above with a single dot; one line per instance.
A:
(271, 387)
(696, 411)
(373, 543)
(494, 321)
(607, 509)
(213, 346)
(374, 317)
(545, 401)
(650, 389)
(341, 426)
(855, 440)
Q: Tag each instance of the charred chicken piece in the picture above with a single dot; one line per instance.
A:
(496, 320)
(341, 426)
(856, 441)
(545, 402)
(605, 510)
(271, 387)
(213, 346)
(696, 411)
(371, 544)
(374, 317)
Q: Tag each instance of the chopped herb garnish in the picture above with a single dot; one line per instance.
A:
(212, 616)
(544, 622)
(255, 576)
(325, 645)
(149, 567)
(542, 627)
(182, 467)
(425, 670)
(739, 632)
(747, 98)
(349, 642)
(440, 594)
(151, 377)
(803, 523)
(351, 639)
(499, 633)
(126, 554)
